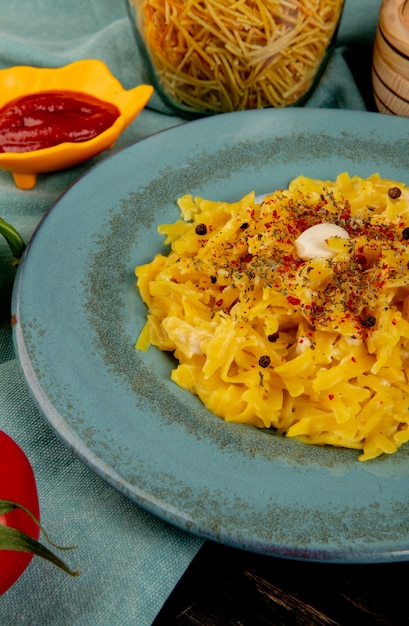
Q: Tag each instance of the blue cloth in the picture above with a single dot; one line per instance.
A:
(130, 560)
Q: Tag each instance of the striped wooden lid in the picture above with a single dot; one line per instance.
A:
(394, 24)
(390, 66)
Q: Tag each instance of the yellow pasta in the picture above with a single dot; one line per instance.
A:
(317, 347)
(218, 55)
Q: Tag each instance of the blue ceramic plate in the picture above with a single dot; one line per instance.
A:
(79, 313)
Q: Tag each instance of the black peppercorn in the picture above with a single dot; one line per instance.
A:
(405, 234)
(264, 361)
(369, 321)
(201, 229)
(244, 226)
(394, 193)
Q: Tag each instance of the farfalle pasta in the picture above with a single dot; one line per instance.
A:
(315, 348)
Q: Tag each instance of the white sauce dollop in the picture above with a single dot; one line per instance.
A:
(312, 243)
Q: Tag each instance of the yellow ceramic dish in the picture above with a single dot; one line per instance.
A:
(88, 76)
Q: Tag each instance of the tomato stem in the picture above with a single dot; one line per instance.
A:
(13, 539)
(13, 238)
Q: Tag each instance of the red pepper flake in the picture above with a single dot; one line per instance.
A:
(291, 229)
(360, 259)
(247, 258)
(353, 359)
(331, 396)
(293, 300)
(219, 302)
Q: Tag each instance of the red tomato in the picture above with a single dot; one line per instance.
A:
(17, 483)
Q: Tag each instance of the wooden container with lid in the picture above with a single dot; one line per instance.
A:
(390, 66)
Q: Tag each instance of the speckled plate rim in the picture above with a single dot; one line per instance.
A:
(78, 314)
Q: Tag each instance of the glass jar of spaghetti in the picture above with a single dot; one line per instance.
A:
(214, 56)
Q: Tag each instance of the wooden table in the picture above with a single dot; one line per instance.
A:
(225, 587)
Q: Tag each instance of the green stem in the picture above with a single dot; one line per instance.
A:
(13, 539)
(15, 241)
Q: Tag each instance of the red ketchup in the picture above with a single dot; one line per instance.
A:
(48, 118)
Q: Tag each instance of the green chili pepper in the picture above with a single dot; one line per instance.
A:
(13, 238)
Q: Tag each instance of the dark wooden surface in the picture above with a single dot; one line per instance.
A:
(226, 587)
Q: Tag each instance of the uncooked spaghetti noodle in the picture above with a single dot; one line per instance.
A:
(218, 55)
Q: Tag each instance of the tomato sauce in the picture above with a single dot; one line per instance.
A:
(46, 119)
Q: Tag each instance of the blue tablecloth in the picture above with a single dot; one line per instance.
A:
(130, 560)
